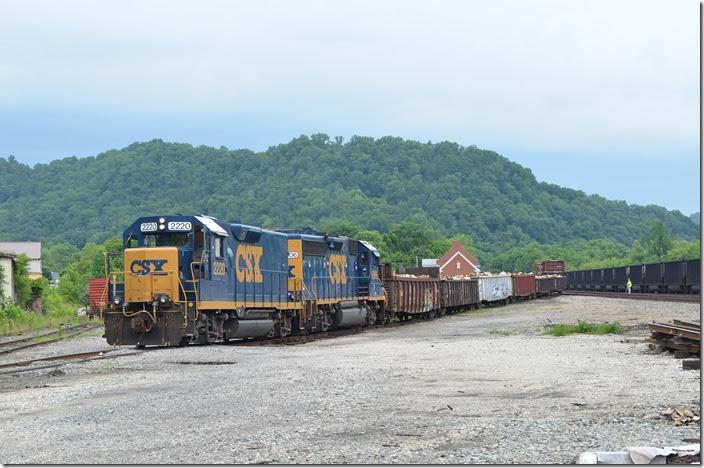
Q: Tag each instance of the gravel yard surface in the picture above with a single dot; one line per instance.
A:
(481, 387)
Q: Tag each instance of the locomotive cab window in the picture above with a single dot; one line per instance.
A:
(131, 242)
(363, 260)
(218, 246)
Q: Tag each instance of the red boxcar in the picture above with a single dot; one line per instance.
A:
(523, 286)
(97, 295)
(550, 267)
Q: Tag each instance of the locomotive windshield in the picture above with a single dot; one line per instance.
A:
(167, 239)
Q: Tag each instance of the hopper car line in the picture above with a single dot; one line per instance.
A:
(675, 277)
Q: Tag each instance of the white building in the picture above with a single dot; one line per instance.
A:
(7, 285)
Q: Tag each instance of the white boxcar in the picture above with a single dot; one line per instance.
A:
(495, 288)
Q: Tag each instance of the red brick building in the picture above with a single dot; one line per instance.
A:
(457, 261)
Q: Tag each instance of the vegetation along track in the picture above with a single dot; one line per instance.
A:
(50, 337)
(638, 296)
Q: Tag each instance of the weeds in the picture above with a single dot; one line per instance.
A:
(14, 319)
(560, 329)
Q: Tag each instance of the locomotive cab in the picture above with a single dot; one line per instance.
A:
(153, 283)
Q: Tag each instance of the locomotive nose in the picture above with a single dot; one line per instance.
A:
(151, 273)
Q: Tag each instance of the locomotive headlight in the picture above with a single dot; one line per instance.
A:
(117, 300)
(163, 299)
(162, 227)
(162, 220)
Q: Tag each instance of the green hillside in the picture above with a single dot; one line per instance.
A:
(312, 182)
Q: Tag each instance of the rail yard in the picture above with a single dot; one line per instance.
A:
(486, 385)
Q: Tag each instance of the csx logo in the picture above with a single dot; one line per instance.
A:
(247, 260)
(145, 267)
(338, 269)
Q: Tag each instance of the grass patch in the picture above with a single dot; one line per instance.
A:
(561, 329)
(501, 332)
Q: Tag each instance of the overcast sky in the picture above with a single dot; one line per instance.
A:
(601, 96)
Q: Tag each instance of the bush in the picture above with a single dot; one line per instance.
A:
(559, 329)
(14, 318)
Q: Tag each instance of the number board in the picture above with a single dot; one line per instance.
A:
(179, 226)
(148, 227)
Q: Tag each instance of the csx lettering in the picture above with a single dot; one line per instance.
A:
(338, 269)
(145, 267)
(247, 261)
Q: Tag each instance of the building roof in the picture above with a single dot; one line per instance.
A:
(458, 250)
(33, 250)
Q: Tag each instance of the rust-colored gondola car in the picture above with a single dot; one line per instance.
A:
(460, 294)
(550, 284)
(408, 296)
(523, 286)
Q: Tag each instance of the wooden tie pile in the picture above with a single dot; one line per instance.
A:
(678, 335)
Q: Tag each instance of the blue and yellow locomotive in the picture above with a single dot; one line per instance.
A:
(195, 279)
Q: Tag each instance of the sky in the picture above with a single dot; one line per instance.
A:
(600, 96)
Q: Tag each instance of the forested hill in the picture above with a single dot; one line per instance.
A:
(311, 182)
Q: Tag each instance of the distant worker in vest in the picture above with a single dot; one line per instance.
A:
(628, 286)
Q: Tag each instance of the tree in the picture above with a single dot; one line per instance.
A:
(57, 257)
(659, 241)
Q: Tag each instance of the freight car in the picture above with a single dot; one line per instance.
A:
(550, 267)
(495, 289)
(546, 285)
(523, 286)
(196, 279)
(460, 294)
(408, 295)
(97, 296)
(680, 276)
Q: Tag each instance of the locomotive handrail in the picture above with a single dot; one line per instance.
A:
(350, 288)
(251, 293)
(196, 288)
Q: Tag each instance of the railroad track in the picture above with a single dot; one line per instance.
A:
(24, 366)
(60, 334)
(637, 296)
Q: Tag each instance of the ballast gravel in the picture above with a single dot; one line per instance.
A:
(482, 387)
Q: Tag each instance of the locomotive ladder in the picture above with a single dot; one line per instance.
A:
(310, 308)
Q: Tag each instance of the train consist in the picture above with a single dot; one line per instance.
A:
(195, 279)
(680, 276)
